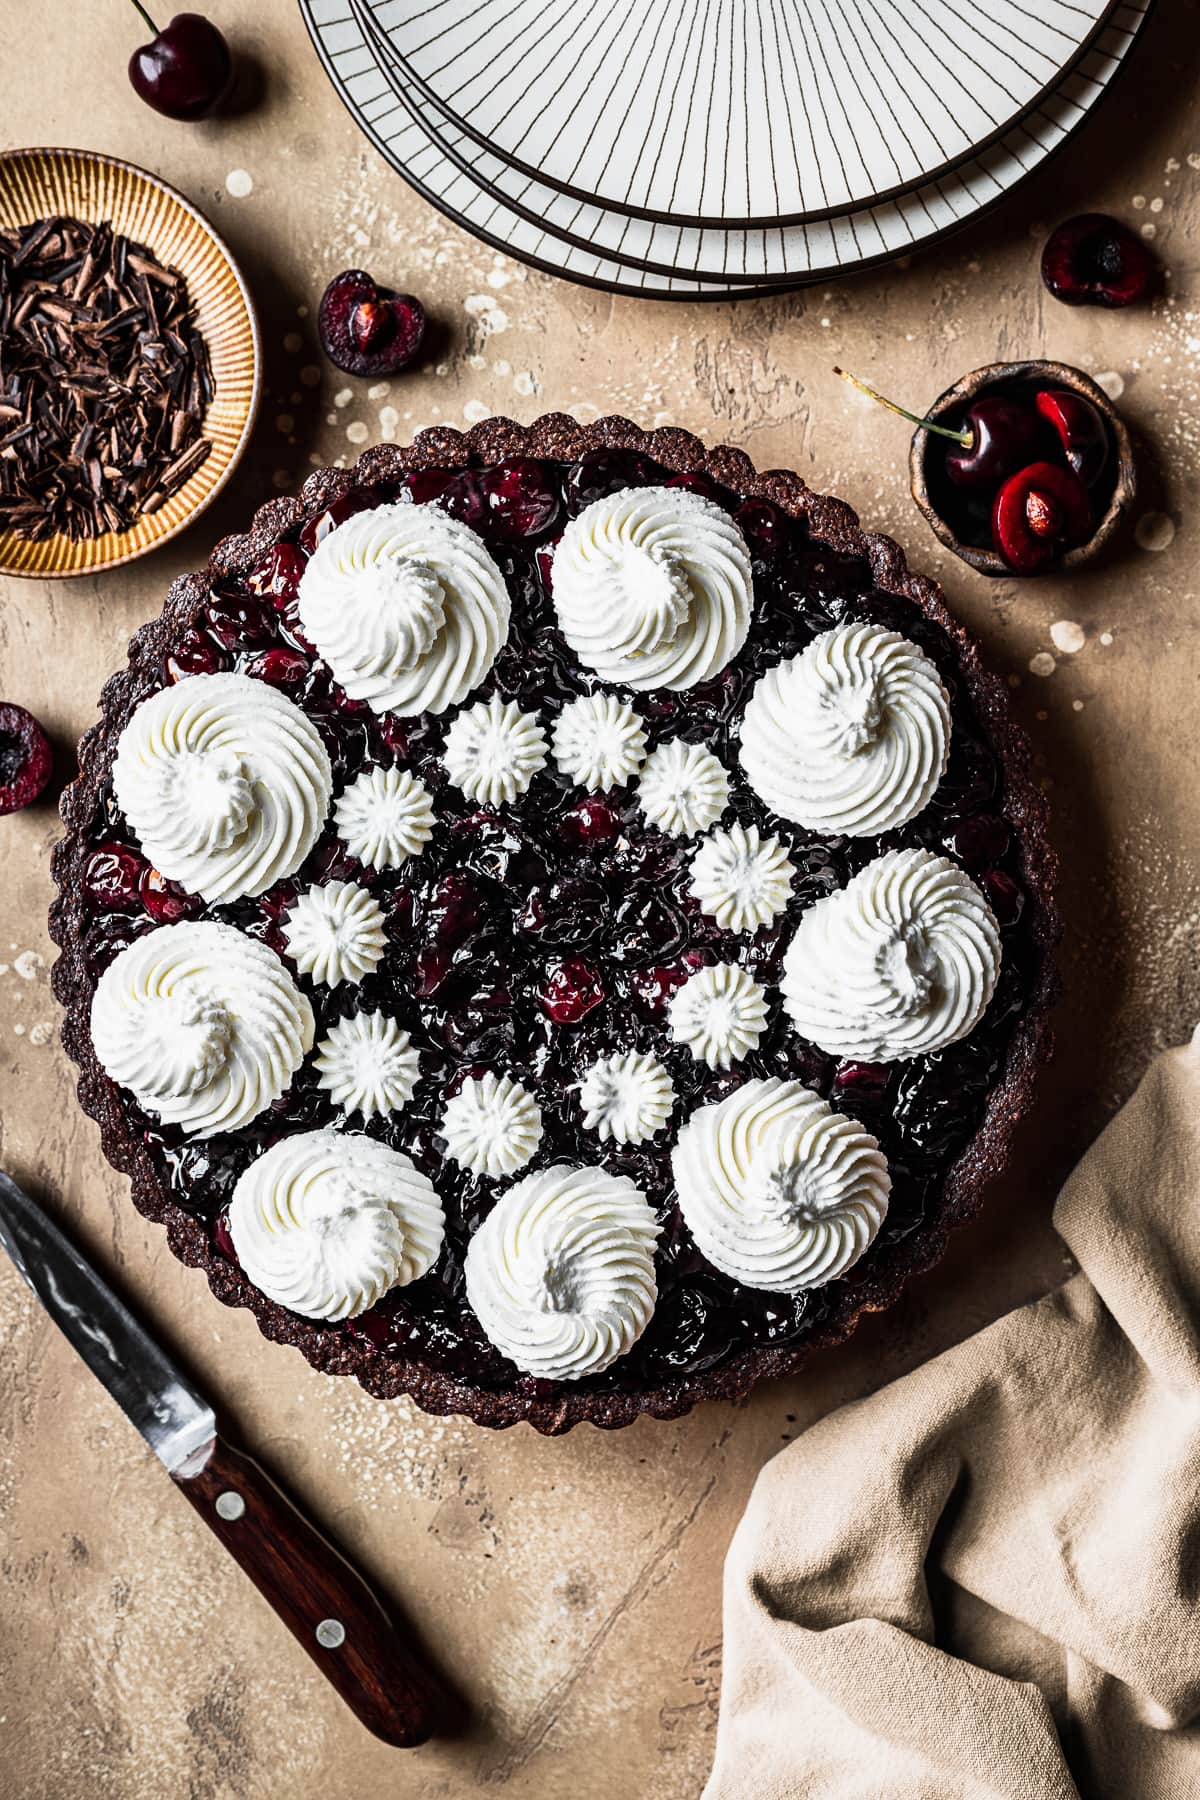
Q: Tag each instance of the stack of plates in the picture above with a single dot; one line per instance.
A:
(704, 148)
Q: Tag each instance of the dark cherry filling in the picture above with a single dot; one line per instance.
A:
(535, 941)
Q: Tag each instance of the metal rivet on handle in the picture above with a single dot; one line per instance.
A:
(331, 1634)
(230, 1506)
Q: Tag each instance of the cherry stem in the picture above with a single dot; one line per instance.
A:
(146, 16)
(965, 438)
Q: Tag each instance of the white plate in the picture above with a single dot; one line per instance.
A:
(782, 255)
(736, 113)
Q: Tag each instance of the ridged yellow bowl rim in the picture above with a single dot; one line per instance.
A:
(37, 183)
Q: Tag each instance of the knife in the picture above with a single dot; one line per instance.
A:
(319, 1595)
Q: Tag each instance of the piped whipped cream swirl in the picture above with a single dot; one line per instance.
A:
(720, 1013)
(778, 1190)
(626, 1097)
(493, 751)
(561, 1272)
(683, 788)
(406, 606)
(225, 782)
(741, 879)
(367, 1064)
(901, 961)
(203, 1025)
(335, 933)
(851, 736)
(599, 742)
(653, 587)
(325, 1222)
(384, 817)
(492, 1126)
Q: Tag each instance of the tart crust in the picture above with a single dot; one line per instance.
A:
(557, 437)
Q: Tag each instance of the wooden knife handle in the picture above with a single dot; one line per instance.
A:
(320, 1597)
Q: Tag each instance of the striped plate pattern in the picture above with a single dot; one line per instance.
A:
(621, 254)
(35, 184)
(735, 113)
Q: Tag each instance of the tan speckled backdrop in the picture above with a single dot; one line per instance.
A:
(574, 1585)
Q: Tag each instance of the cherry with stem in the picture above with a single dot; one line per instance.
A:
(998, 436)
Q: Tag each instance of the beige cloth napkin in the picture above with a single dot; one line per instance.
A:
(985, 1579)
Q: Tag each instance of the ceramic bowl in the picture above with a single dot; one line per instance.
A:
(936, 497)
(34, 184)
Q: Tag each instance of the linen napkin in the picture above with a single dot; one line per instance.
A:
(984, 1580)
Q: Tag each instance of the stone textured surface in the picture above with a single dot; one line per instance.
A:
(572, 1586)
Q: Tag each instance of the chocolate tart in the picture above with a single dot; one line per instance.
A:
(470, 925)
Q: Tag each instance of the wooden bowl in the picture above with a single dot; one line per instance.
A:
(1006, 376)
(35, 184)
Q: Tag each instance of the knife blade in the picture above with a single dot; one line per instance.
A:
(322, 1598)
(152, 1392)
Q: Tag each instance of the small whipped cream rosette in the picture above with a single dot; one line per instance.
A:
(225, 782)
(561, 1272)
(720, 1013)
(599, 742)
(335, 933)
(653, 587)
(741, 879)
(494, 750)
(901, 961)
(407, 607)
(626, 1097)
(851, 736)
(778, 1190)
(367, 1065)
(492, 1125)
(384, 817)
(326, 1222)
(683, 788)
(202, 1024)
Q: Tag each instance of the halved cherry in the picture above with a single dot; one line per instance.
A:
(1095, 260)
(1081, 430)
(1039, 512)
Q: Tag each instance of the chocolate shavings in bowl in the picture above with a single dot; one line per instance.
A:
(104, 381)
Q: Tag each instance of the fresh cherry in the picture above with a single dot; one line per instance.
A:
(997, 437)
(366, 329)
(1081, 431)
(1003, 437)
(185, 70)
(25, 758)
(1039, 512)
(1095, 260)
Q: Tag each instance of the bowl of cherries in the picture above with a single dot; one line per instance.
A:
(1021, 468)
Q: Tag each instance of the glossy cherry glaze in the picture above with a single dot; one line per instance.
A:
(540, 939)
